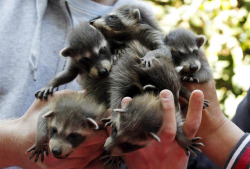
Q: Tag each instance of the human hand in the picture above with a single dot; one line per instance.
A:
(218, 133)
(23, 132)
(168, 153)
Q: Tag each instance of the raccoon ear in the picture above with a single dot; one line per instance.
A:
(136, 14)
(67, 51)
(155, 136)
(49, 114)
(93, 123)
(200, 40)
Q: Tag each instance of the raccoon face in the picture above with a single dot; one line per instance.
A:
(119, 22)
(186, 62)
(185, 48)
(118, 144)
(68, 132)
(62, 144)
(134, 127)
(96, 62)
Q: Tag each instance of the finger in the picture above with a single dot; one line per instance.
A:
(194, 114)
(125, 102)
(168, 108)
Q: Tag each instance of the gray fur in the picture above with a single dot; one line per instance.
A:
(88, 55)
(131, 129)
(64, 124)
(187, 53)
(131, 22)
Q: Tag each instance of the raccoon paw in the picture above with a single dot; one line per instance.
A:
(111, 162)
(43, 93)
(37, 151)
(205, 104)
(192, 146)
(189, 79)
(149, 59)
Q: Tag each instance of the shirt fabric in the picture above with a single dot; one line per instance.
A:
(32, 34)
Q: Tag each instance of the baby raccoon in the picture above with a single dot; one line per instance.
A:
(88, 56)
(132, 22)
(65, 124)
(188, 56)
(137, 125)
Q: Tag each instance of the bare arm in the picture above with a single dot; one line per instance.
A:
(16, 136)
(218, 133)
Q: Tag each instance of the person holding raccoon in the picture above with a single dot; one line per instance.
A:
(17, 135)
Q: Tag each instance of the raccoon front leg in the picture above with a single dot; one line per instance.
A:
(153, 56)
(68, 74)
(189, 145)
(42, 138)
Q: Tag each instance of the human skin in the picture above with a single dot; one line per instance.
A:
(218, 133)
(18, 135)
(168, 153)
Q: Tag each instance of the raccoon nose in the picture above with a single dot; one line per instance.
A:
(103, 72)
(193, 68)
(56, 151)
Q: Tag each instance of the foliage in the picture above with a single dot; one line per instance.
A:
(226, 24)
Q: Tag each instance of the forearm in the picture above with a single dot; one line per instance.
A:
(12, 153)
(218, 133)
(219, 141)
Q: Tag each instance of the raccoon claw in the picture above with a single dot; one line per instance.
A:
(44, 93)
(108, 124)
(193, 146)
(205, 104)
(149, 59)
(111, 162)
(38, 150)
(189, 79)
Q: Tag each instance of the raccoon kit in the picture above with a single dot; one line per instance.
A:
(137, 125)
(88, 56)
(132, 22)
(188, 56)
(65, 124)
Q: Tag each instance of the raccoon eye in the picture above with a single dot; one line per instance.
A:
(74, 135)
(54, 130)
(128, 147)
(195, 52)
(112, 17)
(102, 51)
(114, 131)
(84, 60)
(180, 53)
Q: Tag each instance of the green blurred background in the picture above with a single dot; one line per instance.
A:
(226, 24)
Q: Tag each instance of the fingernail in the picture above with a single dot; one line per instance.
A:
(165, 94)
